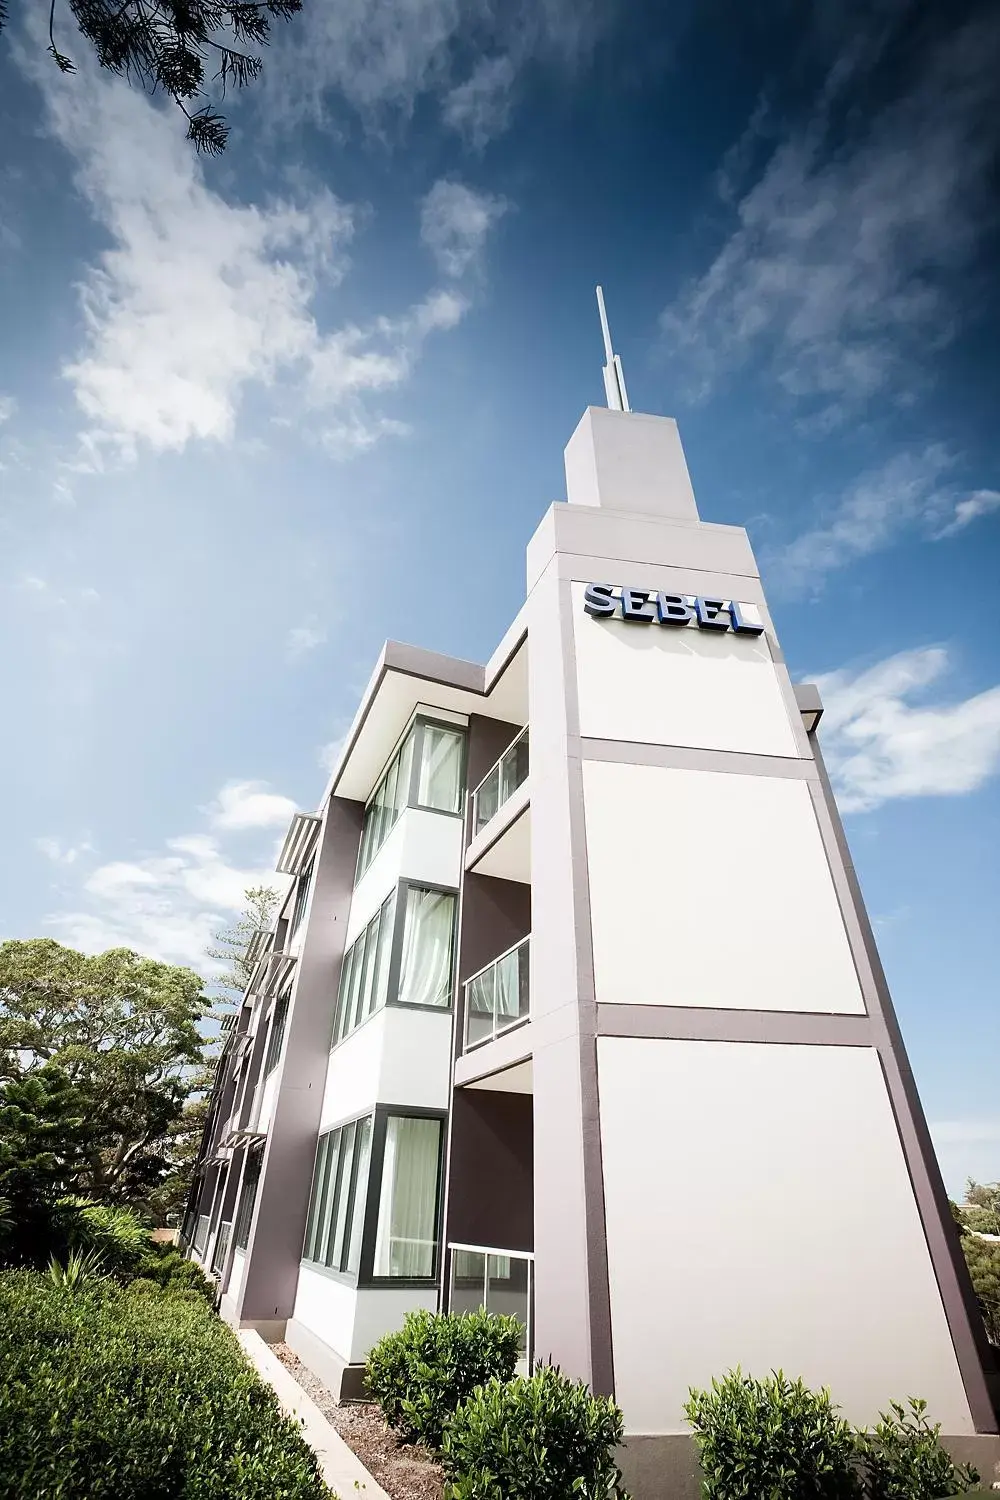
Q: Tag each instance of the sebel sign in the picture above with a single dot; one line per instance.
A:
(647, 607)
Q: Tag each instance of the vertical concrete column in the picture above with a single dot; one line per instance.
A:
(267, 1291)
(572, 1311)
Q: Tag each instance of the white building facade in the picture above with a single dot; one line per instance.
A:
(574, 1010)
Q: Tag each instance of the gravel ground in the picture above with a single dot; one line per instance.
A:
(404, 1472)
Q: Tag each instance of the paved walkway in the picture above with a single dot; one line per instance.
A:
(341, 1468)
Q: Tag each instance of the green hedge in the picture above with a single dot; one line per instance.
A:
(421, 1374)
(111, 1393)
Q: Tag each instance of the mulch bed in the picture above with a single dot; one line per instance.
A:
(404, 1472)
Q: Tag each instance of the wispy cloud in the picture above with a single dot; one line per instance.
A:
(60, 852)
(881, 746)
(302, 639)
(200, 298)
(170, 903)
(840, 271)
(8, 406)
(381, 58)
(455, 223)
(979, 503)
(480, 108)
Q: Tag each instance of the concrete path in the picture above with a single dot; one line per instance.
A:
(341, 1468)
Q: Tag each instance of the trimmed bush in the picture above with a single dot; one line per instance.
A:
(773, 1437)
(902, 1458)
(532, 1440)
(112, 1393)
(421, 1374)
(169, 1269)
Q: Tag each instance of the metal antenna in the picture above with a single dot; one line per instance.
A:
(614, 377)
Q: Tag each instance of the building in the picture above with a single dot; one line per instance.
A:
(573, 936)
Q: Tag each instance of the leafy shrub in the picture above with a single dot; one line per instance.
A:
(110, 1395)
(533, 1439)
(80, 1267)
(902, 1458)
(421, 1374)
(983, 1259)
(169, 1269)
(774, 1437)
(116, 1234)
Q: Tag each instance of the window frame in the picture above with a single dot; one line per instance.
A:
(364, 1277)
(303, 890)
(368, 848)
(399, 896)
(275, 1048)
(254, 1163)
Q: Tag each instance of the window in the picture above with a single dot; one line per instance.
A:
(440, 782)
(248, 1197)
(428, 937)
(337, 1204)
(364, 977)
(427, 770)
(301, 900)
(277, 1037)
(406, 1236)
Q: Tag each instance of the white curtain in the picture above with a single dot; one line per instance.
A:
(405, 1239)
(507, 991)
(425, 975)
(440, 783)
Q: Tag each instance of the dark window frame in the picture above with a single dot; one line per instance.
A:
(303, 887)
(247, 1202)
(398, 895)
(277, 1031)
(364, 1278)
(414, 729)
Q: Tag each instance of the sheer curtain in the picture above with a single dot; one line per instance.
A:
(440, 784)
(405, 1241)
(425, 974)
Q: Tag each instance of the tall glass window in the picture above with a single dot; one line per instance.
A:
(340, 1190)
(277, 1037)
(301, 901)
(428, 937)
(387, 802)
(248, 1197)
(440, 781)
(406, 1237)
(364, 977)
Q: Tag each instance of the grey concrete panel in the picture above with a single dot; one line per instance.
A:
(663, 1467)
(344, 1381)
(697, 1024)
(975, 1360)
(490, 1186)
(694, 758)
(270, 1277)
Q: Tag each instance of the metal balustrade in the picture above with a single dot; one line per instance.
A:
(501, 1281)
(201, 1232)
(221, 1247)
(498, 997)
(500, 782)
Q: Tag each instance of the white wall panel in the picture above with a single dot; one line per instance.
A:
(354, 1072)
(327, 1308)
(416, 1058)
(712, 889)
(381, 1310)
(677, 686)
(265, 1108)
(236, 1275)
(759, 1213)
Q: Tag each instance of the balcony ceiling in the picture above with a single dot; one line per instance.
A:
(515, 1080)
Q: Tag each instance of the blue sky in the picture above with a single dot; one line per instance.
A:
(260, 413)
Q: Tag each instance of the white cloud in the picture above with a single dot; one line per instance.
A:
(979, 503)
(8, 406)
(382, 56)
(329, 754)
(302, 639)
(249, 804)
(904, 491)
(200, 298)
(480, 108)
(880, 746)
(62, 853)
(455, 221)
(841, 271)
(170, 904)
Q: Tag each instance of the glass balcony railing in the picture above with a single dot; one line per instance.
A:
(500, 783)
(500, 1281)
(498, 996)
(221, 1247)
(201, 1233)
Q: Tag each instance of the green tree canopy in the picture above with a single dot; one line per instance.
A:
(45, 1139)
(123, 1029)
(230, 943)
(168, 44)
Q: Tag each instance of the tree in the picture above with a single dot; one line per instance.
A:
(231, 942)
(981, 1210)
(983, 1259)
(123, 1029)
(166, 44)
(45, 1138)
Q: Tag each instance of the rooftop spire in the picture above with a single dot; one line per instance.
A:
(614, 378)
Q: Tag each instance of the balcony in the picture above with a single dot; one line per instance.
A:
(500, 783)
(221, 1247)
(501, 1281)
(498, 997)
